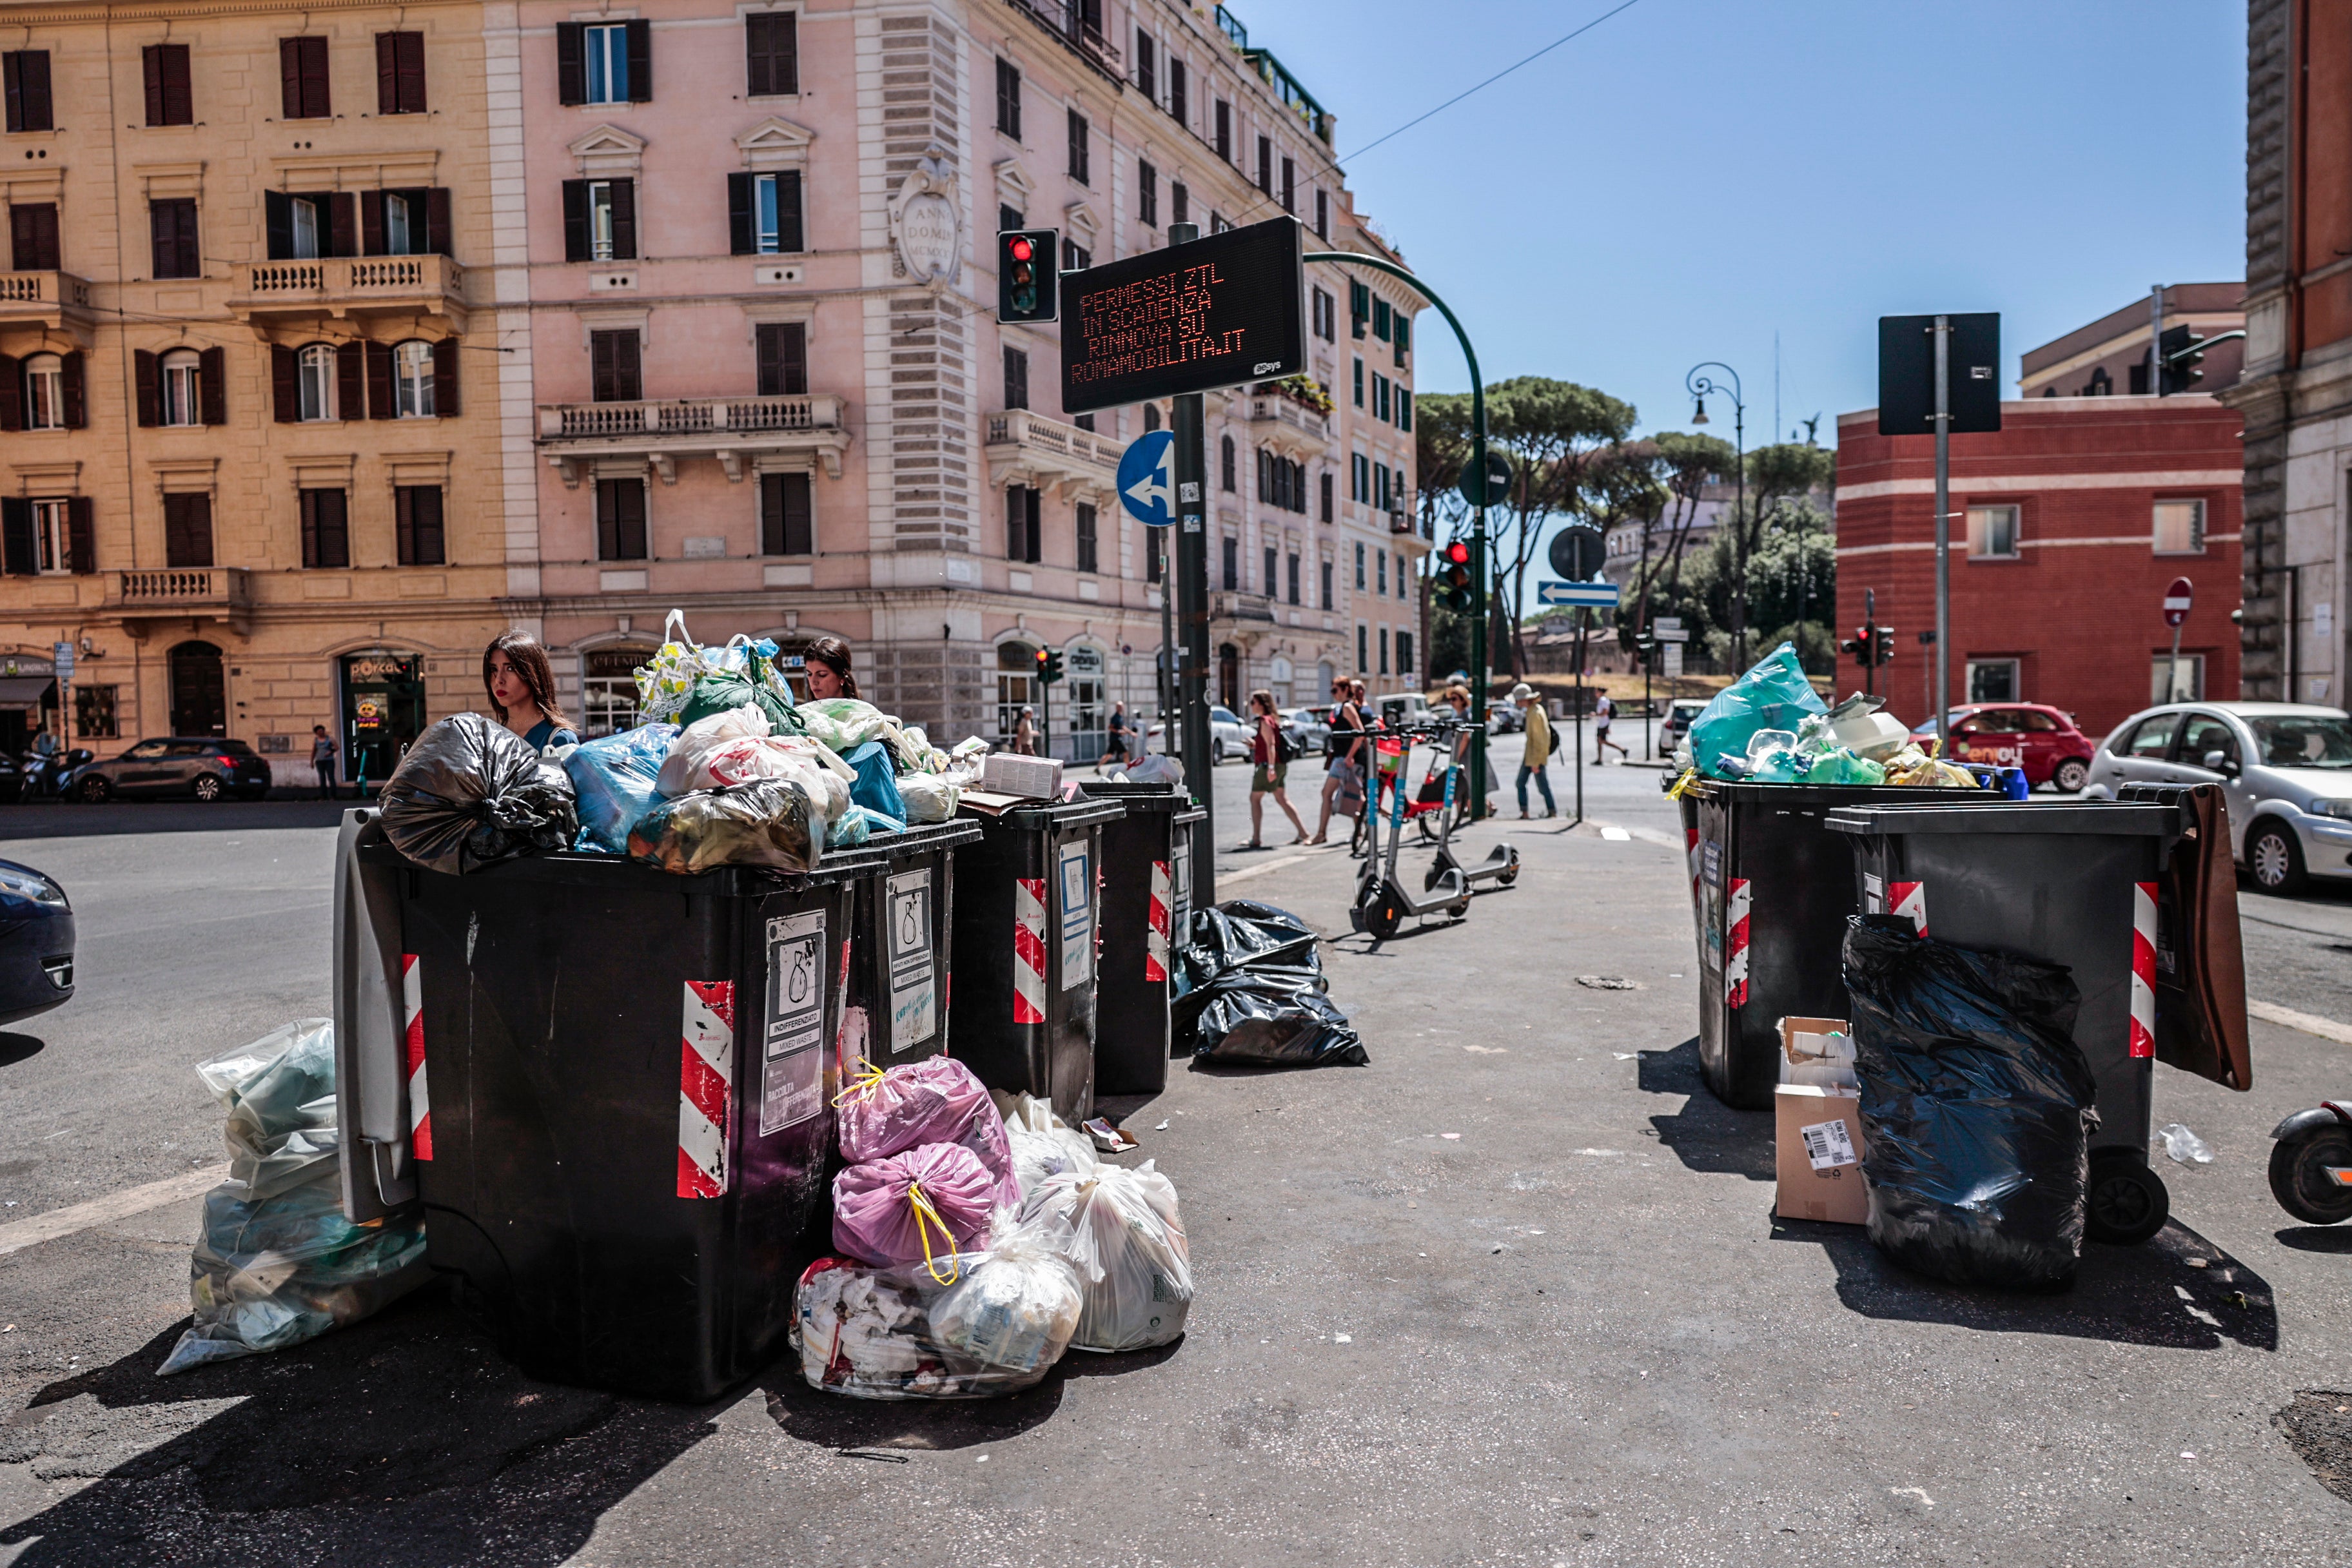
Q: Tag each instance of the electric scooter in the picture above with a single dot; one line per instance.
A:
(2310, 1163)
(1501, 866)
(1381, 901)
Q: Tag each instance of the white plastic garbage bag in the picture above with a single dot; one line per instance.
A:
(1127, 1238)
(1042, 1144)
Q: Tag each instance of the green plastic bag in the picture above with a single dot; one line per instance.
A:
(1839, 766)
(719, 690)
(1774, 695)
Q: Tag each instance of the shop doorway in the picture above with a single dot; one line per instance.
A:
(1016, 685)
(199, 695)
(384, 713)
(1088, 720)
(608, 689)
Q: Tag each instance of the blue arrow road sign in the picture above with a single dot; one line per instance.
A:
(1595, 594)
(1147, 479)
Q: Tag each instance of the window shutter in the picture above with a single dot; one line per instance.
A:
(600, 368)
(81, 537)
(379, 382)
(768, 353)
(575, 219)
(410, 49)
(17, 537)
(571, 64)
(310, 528)
(792, 356)
(212, 385)
(151, 59)
(629, 374)
(444, 378)
(169, 100)
(437, 221)
(12, 87)
(371, 223)
(624, 217)
(343, 224)
(36, 106)
(285, 403)
(278, 223)
(351, 382)
(739, 238)
(289, 77)
(788, 211)
(76, 408)
(641, 61)
(143, 377)
(387, 73)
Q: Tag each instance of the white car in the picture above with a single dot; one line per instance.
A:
(1228, 736)
(2285, 769)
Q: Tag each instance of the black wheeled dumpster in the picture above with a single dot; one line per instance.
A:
(2136, 898)
(1025, 949)
(616, 1084)
(1138, 891)
(1771, 890)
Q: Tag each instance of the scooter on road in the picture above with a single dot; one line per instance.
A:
(1382, 901)
(1500, 869)
(2310, 1163)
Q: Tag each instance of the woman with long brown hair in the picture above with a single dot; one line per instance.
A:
(521, 688)
(826, 663)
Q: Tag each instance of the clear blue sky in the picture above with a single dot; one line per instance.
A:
(1693, 174)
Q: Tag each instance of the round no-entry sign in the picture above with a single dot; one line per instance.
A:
(2176, 601)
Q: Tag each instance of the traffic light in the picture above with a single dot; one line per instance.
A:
(1459, 595)
(1049, 666)
(1858, 645)
(2180, 354)
(1883, 650)
(1027, 287)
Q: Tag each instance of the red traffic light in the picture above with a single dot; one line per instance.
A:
(1458, 552)
(1020, 247)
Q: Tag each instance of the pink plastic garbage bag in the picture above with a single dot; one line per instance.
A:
(926, 1203)
(935, 1100)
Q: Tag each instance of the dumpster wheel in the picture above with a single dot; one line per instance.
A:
(2126, 1202)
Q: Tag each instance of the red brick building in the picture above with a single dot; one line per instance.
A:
(2068, 523)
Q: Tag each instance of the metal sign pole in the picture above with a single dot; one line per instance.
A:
(1581, 617)
(1943, 535)
(1188, 422)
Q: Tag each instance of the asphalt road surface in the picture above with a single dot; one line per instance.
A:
(1514, 1294)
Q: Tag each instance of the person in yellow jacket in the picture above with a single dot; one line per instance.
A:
(1539, 750)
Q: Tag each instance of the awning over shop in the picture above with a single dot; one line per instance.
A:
(26, 690)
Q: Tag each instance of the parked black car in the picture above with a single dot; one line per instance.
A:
(36, 943)
(204, 769)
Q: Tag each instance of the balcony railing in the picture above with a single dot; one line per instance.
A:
(1065, 20)
(1228, 606)
(1019, 430)
(180, 590)
(1274, 408)
(686, 416)
(347, 285)
(42, 298)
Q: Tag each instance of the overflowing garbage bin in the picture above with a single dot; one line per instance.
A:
(2136, 898)
(616, 1084)
(1024, 946)
(1138, 921)
(1771, 890)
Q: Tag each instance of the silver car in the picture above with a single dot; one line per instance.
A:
(1228, 736)
(1310, 728)
(2285, 769)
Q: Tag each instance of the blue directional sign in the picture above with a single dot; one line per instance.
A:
(1147, 479)
(1597, 595)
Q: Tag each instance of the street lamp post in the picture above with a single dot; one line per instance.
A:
(1701, 387)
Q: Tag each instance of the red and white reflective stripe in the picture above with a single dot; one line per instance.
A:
(705, 1075)
(1909, 900)
(2143, 984)
(1735, 946)
(1029, 949)
(1155, 939)
(412, 1013)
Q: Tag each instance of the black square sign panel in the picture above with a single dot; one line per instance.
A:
(1218, 311)
(1907, 374)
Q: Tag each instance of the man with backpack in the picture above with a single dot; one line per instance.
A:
(1270, 753)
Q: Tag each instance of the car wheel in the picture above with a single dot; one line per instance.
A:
(95, 789)
(2126, 1202)
(2275, 859)
(208, 787)
(2301, 1179)
(2071, 776)
(1216, 753)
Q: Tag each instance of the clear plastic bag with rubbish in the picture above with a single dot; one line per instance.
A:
(1773, 695)
(1125, 1236)
(928, 797)
(768, 822)
(1042, 1145)
(2185, 1147)
(667, 681)
(617, 779)
(471, 792)
(276, 1263)
(845, 723)
(964, 1325)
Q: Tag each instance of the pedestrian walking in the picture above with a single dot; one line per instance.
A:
(1343, 775)
(826, 664)
(1116, 753)
(521, 687)
(1603, 710)
(1538, 756)
(1269, 765)
(1024, 733)
(322, 760)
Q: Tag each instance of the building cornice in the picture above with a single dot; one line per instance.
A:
(45, 13)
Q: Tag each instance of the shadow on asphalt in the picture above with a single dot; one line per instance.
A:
(2316, 1238)
(15, 1048)
(2152, 1294)
(413, 1440)
(54, 820)
(830, 1421)
(1706, 1134)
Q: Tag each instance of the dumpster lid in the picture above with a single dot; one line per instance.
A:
(1138, 796)
(1190, 815)
(2121, 818)
(1744, 793)
(586, 869)
(1046, 814)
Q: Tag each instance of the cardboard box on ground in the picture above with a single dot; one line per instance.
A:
(1817, 1125)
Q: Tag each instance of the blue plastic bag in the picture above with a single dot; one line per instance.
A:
(876, 786)
(615, 777)
(1774, 695)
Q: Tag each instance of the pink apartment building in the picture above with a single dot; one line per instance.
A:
(752, 372)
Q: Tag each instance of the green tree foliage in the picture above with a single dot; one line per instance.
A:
(1558, 435)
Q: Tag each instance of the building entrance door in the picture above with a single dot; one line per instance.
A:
(384, 711)
(199, 695)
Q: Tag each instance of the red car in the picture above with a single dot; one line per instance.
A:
(2039, 739)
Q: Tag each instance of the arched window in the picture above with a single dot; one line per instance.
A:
(44, 393)
(412, 380)
(1225, 450)
(177, 393)
(314, 382)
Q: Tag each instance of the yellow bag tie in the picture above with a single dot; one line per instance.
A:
(924, 1212)
(1682, 785)
(868, 1075)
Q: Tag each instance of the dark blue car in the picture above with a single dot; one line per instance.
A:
(36, 943)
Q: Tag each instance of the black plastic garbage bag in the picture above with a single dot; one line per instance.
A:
(471, 792)
(1251, 992)
(1977, 1107)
